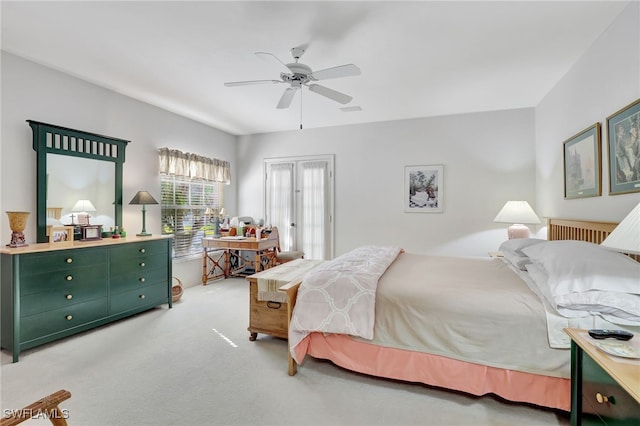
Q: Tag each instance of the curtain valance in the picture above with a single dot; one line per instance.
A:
(174, 162)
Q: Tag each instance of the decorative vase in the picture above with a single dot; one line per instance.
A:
(17, 223)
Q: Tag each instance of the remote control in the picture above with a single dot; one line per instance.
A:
(616, 334)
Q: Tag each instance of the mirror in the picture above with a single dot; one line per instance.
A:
(70, 179)
(73, 165)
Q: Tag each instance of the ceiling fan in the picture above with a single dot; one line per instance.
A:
(298, 74)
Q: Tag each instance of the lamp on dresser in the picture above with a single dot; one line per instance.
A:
(144, 198)
(519, 214)
(83, 207)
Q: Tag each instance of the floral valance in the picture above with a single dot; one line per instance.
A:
(174, 162)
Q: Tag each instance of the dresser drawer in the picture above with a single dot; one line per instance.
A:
(125, 252)
(38, 263)
(69, 293)
(140, 297)
(43, 324)
(620, 409)
(80, 277)
(137, 279)
(139, 263)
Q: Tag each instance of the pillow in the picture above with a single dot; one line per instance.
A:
(577, 266)
(53, 222)
(518, 262)
(617, 308)
(512, 251)
(516, 245)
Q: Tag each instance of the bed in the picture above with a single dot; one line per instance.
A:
(457, 328)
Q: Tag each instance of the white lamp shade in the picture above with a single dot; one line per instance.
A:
(517, 212)
(83, 206)
(626, 236)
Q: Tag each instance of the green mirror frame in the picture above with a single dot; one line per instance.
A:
(52, 139)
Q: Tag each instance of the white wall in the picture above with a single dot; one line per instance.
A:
(603, 81)
(487, 158)
(31, 91)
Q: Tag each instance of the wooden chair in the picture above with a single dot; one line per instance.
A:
(284, 256)
(47, 407)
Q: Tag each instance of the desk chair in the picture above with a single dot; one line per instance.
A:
(284, 256)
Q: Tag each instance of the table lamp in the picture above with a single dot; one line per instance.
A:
(518, 213)
(144, 198)
(626, 236)
(82, 207)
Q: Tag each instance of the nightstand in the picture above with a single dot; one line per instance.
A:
(605, 390)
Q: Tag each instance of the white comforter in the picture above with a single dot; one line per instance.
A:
(470, 309)
(339, 296)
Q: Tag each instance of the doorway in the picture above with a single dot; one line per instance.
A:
(299, 201)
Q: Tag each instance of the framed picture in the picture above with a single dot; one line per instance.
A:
(61, 235)
(623, 135)
(91, 232)
(423, 189)
(583, 164)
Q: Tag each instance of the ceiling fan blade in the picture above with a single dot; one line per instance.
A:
(250, 82)
(275, 57)
(335, 72)
(330, 93)
(286, 98)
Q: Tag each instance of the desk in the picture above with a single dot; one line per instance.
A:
(221, 256)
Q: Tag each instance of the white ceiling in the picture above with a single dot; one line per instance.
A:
(418, 58)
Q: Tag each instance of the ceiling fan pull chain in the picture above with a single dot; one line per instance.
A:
(301, 107)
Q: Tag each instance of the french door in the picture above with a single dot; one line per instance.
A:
(299, 201)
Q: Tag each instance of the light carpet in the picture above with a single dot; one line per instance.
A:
(194, 365)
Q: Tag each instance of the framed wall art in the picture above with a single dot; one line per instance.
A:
(61, 235)
(623, 136)
(423, 189)
(583, 164)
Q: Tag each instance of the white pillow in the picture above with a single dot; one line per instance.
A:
(516, 245)
(512, 251)
(518, 262)
(53, 222)
(618, 308)
(577, 266)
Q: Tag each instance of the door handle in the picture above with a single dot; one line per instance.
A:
(292, 224)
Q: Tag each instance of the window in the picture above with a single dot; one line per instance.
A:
(190, 184)
(184, 205)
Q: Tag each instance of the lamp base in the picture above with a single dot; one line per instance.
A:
(17, 240)
(143, 234)
(517, 230)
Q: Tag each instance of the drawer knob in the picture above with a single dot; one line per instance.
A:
(141, 296)
(69, 317)
(603, 398)
(69, 260)
(142, 264)
(69, 296)
(142, 250)
(143, 279)
(69, 277)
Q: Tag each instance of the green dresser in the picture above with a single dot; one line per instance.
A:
(50, 292)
